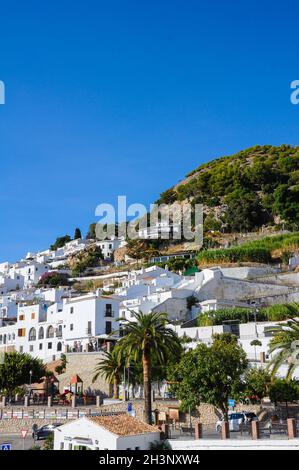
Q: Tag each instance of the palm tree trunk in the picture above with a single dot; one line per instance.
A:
(146, 363)
(115, 387)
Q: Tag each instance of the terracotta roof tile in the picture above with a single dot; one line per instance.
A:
(123, 425)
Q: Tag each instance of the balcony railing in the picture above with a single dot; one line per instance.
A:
(109, 313)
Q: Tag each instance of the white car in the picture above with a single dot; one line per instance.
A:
(236, 419)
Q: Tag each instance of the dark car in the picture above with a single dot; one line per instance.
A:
(250, 416)
(44, 431)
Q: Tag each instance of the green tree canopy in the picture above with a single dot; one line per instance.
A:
(257, 381)
(15, 371)
(210, 374)
(60, 242)
(77, 234)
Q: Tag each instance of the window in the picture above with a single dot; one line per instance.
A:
(21, 349)
(50, 332)
(59, 331)
(108, 327)
(108, 311)
(31, 348)
(22, 317)
(40, 346)
(41, 333)
(32, 334)
(59, 346)
(71, 326)
(89, 328)
(61, 445)
(49, 345)
(32, 316)
(21, 332)
(72, 310)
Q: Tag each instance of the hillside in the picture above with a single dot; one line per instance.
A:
(242, 192)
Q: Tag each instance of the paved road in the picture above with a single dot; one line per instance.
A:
(16, 441)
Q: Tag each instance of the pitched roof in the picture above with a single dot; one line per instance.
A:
(123, 425)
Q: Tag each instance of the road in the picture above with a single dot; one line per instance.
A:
(16, 441)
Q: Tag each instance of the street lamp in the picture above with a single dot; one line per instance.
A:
(30, 379)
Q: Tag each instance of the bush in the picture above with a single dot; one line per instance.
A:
(281, 312)
(235, 255)
(217, 317)
(245, 315)
(54, 279)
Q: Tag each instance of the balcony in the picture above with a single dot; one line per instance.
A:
(109, 313)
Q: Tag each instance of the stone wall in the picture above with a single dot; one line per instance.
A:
(84, 365)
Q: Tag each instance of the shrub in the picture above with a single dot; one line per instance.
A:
(235, 255)
(217, 317)
(281, 312)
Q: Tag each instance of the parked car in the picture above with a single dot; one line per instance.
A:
(44, 431)
(236, 419)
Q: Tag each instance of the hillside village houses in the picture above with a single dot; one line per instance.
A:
(48, 322)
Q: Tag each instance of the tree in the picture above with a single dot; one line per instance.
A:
(244, 211)
(286, 202)
(255, 343)
(110, 367)
(284, 344)
(77, 234)
(49, 442)
(282, 390)
(61, 368)
(15, 371)
(137, 249)
(210, 374)
(146, 336)
(88, 258)
(54, 279)
(60, 242)
(257, 383)
(91, 234)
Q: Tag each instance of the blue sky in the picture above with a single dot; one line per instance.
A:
(126, 97)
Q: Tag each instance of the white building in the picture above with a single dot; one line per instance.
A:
(114, 432)
(109, 246)
(163, 229)
(31, 271)
(88, 320)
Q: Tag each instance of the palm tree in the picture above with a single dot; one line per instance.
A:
(110, 367)
(284, 342)
(255, 343)
(147, 335)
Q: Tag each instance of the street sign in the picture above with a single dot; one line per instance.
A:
(24, 433)
(231, 402)
(5, 446)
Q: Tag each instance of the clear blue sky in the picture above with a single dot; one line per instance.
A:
(125, 97)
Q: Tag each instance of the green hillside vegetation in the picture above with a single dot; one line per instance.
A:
(264, 250)
(244, 315)
(251, 187)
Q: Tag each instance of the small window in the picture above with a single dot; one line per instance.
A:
(21, 349)
(40, 346)
(61, 445)
(22, 317)
(49, 345)
(72, 310)
(108, 327)
(71, 326)
(32, 316)
(31, 348)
